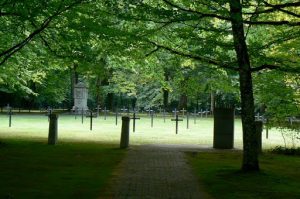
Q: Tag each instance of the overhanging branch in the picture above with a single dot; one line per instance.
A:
(195, 57)
(275, 67)
(200, 14)
(5, 55)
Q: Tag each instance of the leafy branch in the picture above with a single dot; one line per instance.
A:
(6, 54)
(192, 56)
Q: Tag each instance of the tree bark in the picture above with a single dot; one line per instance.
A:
(166, 98)
(110, 101)
(166, 93)
(250, 153)
(183, 102)
(212, 101)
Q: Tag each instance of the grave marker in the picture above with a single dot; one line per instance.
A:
(124, 109)
(91, 119)
(134, 118)
(75, 112)
(9, 116)
(187, 120)
(195, 115)
(52, 136)
(82, 115)
(175, 112)
(183, 111)
(223, 128)
(149, 110)
(206, 113)
(124, 142)
(98, 109)
(176, 120)
(201, 113)
(80, 96)
(116, 114)
(151, 114)
(105, 112)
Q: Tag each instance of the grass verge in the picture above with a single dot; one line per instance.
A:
(32, 169)
(222, 179)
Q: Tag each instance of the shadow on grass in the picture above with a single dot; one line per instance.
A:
(222, 178)
(33, 169)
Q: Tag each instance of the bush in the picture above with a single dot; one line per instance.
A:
(286, 151)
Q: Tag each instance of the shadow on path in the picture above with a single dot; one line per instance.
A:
(157, 172)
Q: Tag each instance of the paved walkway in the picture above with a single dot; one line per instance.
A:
(156, 172)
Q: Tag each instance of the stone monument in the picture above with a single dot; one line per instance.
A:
(80, 97)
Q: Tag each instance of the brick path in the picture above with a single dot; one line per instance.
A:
(156, 172)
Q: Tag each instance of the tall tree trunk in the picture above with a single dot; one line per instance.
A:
(166, 92)
(183, 102)
(166, 98)
(212, 101)
(110, 101)
(250, 153)
(74, 81)
(98, 91)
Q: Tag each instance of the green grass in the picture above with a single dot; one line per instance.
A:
(222, 179)
(32, 169)
(36, 127)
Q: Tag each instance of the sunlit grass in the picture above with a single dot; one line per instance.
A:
(69, 128)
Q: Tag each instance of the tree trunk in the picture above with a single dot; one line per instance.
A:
(98, 91)
(166, 98)
(183, 102)
(212, 102)
(110, 101)
(250, 153)
(166, 93)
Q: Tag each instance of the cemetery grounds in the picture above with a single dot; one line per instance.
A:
(82, 151)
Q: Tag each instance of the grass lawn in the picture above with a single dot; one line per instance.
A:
(221, 178)
(32, 169)
(199, 133)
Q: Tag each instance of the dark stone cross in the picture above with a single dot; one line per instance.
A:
(9, 116)
(187, 119)
(105, 112)
(151, 112)
(75, 112)
(267, 128)
(82, 114)
(91, 119)
(117, 114)
(177, 120)
(134, 118)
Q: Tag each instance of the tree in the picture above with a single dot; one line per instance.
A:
(214, 33)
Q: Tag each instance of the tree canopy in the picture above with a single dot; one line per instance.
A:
(159, 50)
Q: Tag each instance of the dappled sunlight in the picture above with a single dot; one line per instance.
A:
(71, 128)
